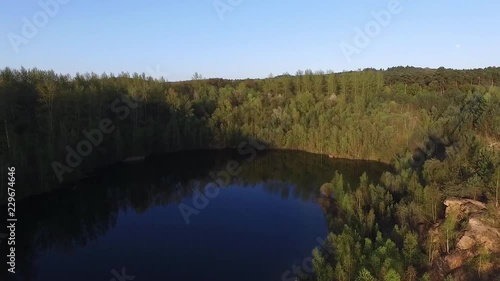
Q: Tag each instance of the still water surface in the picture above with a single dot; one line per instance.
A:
(265, 219)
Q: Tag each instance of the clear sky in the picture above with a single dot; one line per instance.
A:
(251, 38)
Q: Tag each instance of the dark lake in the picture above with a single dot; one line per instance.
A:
(156, 220)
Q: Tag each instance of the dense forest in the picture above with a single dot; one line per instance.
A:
(439, 128)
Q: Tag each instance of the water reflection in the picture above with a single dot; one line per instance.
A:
(84, 229)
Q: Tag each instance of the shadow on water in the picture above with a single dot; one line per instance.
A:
(69, 220)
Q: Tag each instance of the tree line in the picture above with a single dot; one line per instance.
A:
(369, 114)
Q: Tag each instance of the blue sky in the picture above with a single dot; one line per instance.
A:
(251, 39)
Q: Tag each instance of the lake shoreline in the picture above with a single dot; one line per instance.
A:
(143, 158)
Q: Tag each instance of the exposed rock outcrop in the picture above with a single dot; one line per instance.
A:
(475, 253)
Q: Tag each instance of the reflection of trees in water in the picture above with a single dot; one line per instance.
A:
(307, 172)
(69, 219)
